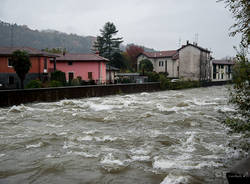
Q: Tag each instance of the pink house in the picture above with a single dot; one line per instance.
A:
(87, 66)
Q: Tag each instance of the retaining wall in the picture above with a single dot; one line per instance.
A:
(16, 97)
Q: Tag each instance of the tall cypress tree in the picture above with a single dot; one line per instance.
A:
(21, 64)
(106, 44)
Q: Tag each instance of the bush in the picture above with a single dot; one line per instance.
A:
(55, 83)
(237, 125)
(79, 79)
(58, 76)
(153, 76)
(124, 80)
(146, 66)
(75, 82)
(34, 84)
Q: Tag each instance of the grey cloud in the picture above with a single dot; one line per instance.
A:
(158, 24)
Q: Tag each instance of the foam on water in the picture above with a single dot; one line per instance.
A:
(34, 145)
(105, 138)
(175, 179)
(109, 159)
(166, 164)
(140, 158)
(100, 107)
(20, 108)
(54, 126)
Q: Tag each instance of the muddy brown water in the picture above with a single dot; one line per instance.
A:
(163, 137)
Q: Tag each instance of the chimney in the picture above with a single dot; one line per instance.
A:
(187, 42)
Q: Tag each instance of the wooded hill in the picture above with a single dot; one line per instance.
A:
(22, 35)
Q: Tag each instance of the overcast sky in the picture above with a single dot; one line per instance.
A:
(158, 24)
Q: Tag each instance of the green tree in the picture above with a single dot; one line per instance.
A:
(118, 61)
(58, 76)
(106, 44)
(146, 66)
(55, 50)
(240, 93)
(240, 10)
(21, 63)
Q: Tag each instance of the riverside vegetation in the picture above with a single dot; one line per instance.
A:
(240, 91)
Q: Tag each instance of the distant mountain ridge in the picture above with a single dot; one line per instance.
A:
(24, 36)
(21, 35)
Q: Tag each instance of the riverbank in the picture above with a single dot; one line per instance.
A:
(16, 97)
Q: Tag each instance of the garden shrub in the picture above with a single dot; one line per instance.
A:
(34, 84)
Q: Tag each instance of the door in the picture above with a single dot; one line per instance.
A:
(71, 76)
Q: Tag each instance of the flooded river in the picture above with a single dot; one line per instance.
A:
(167, 137)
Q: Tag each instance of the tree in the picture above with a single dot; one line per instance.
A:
(118, 61)
(240, 10)
(239, 94)
(21, 63)
(133, 51)
(55, 50)
(106, 44)
(240, 91)
(58, 76)
(146, 65)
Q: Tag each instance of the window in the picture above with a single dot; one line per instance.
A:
(10, 62)
(45, 63)
(70, 63)
(222, 76)
(11, 80)
(229, 69)
(90, 75)
(71, 76)
(214, 71)
(161, 63)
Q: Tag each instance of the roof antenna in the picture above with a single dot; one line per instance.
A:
(179, 44)
(196, 38)
(11, 35)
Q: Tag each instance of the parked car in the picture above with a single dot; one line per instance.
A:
(175, 80)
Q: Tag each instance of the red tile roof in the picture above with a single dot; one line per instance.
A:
(161, 54)
(7, 51)
(81, 57)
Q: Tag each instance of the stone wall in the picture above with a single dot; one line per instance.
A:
(16, 97)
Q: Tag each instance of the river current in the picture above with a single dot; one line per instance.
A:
(167, 137)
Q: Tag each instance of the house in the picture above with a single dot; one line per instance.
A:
(190, 62)
(163, 61)
(87, 66)
(39, 66)
(222, 70)
(194, 62)
(111, 74)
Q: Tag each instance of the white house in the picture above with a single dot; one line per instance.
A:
(190, 62)
(163, 61)
(194, 63)
(222, 70)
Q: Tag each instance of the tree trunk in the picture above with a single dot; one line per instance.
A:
(22, 86)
